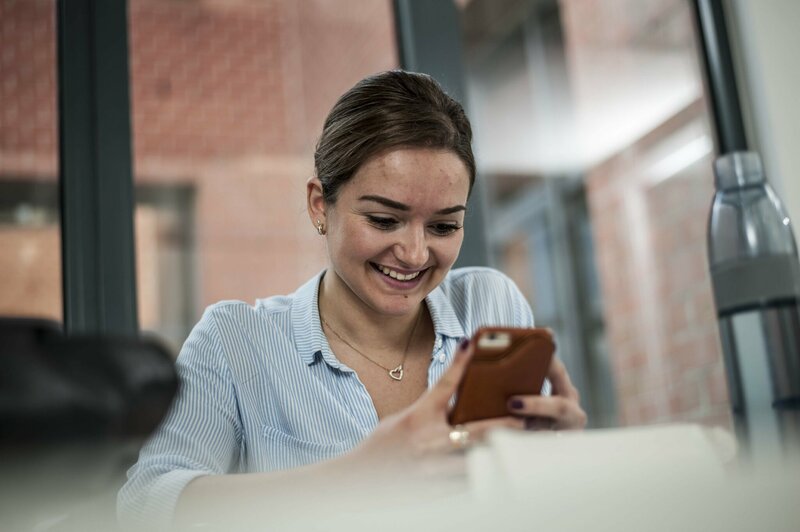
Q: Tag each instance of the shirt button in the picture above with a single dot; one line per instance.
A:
(442, 358)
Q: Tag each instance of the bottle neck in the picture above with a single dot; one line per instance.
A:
(738, 169)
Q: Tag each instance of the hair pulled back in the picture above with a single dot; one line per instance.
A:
(393, 109)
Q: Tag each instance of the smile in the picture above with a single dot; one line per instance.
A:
(397, 275)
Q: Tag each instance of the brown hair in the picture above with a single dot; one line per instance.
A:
(389, 110)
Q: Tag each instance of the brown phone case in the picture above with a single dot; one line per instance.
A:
(495, 374)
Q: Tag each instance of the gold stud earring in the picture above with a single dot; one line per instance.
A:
(320, 228)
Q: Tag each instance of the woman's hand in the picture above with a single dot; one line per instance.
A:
(418, 439)
(559, 411)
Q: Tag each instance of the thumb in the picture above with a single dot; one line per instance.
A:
(439, 396)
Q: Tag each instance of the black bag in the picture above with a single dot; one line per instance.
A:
(56, 388)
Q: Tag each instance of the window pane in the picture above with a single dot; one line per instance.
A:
(30, 263)
(228, 98)
(592, 133)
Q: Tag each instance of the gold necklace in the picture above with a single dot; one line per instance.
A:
(396, 373)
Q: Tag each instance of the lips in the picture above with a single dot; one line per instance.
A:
(396, 274)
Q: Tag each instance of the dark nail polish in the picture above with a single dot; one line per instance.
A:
(463, 344)
(516, 404)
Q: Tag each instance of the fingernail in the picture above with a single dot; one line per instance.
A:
(463, 344)
(515, 404)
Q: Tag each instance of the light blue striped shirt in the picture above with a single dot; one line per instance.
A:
(261, 389)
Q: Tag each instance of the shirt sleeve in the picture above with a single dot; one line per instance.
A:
(200, 435)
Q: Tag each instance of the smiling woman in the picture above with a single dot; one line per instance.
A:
(394, 231)
(354, 371)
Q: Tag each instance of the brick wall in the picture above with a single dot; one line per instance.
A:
(29, 262)
(28, 121)
(651, 255)
(231, 97)
(228, 97)
(30, 271)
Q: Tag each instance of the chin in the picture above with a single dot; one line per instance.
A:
(398, 305)
(398, 308)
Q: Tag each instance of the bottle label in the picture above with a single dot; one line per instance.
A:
(755, 282)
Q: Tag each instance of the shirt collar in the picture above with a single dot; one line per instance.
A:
(445, 320)
(308, 335)
(311, 341)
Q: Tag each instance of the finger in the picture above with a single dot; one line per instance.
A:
(565, 413)
(477, 431)
(560, 381)
(440, 394)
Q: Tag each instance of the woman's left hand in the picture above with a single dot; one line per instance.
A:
(559, 411)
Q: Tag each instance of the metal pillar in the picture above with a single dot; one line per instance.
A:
(429, 37)
(95, 168)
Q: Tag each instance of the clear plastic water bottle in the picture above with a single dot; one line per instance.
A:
(756, 279)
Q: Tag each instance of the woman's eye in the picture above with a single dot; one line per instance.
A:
(444, 229)
(381, 222)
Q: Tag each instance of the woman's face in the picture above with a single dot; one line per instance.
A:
(397, 227)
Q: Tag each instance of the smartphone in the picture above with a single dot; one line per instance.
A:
(507, 361)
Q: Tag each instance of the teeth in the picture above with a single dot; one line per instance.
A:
(399, 276)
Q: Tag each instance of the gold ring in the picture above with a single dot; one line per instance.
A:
(459, 438)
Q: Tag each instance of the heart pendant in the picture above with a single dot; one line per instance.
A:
(397, 373)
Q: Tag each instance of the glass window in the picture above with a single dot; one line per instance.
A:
(30, 263)
(592, 133)
(228, 98)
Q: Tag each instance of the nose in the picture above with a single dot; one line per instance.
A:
(412, 247)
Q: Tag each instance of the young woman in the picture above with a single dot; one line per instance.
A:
(359, 364)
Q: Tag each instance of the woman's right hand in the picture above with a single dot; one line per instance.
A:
(416, 441)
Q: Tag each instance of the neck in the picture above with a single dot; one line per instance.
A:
(360, 324)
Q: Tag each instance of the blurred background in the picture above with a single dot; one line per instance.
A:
(593, 138)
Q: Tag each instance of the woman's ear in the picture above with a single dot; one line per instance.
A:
(315, 202)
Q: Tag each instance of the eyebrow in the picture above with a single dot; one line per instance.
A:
(403, 207)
